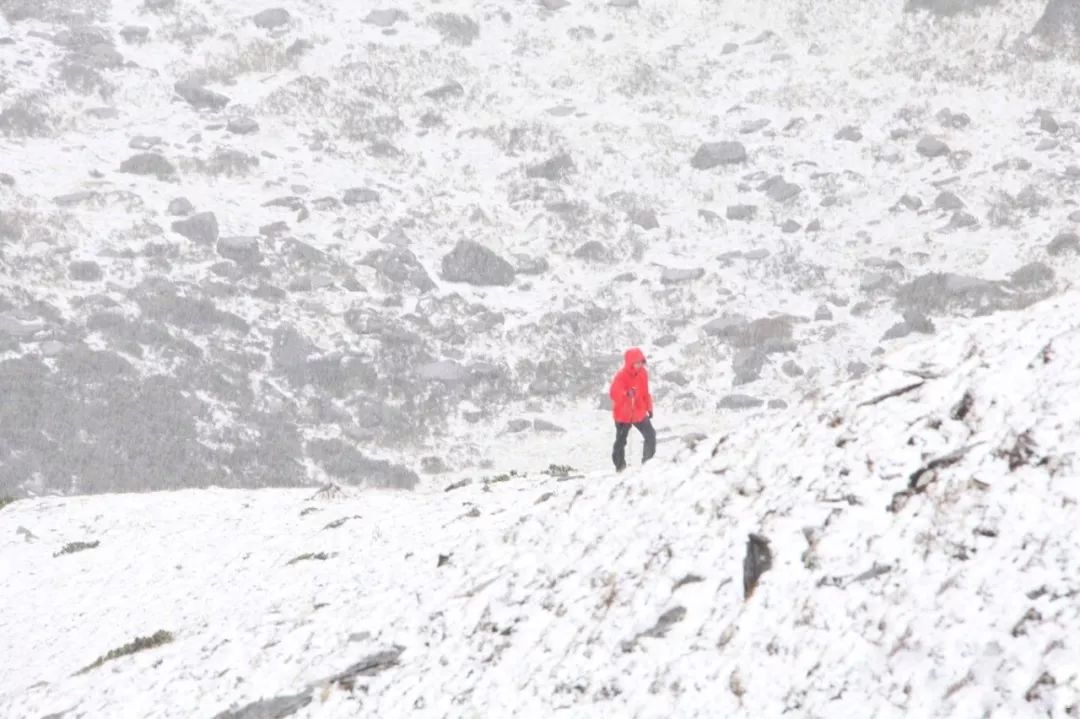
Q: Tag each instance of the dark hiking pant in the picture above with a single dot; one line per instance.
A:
(622, 431)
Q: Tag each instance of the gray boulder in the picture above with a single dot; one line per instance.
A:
(201, 228)
(472, 263)
(850, 133)
(743, 213)
(400, 267)
(199, 97)
(948, 8)
(713, 154)
(593, 251)
(930, 146)
(680, 275)
(1064, 242)
(385, 18)
(1060, 21)
(779, 190)
(747, 365)
(555, 169)
(271, 18)
(1031, 275)
(148, 163)
(241, 250)
(455, 28)
(553, 5)
(180, 207)
(948, 201)
(359, 195)
(242, 126)
(943, 292)
(451, 88)
(791, 368)
(739, 401)
(85, 271)
(645, 219)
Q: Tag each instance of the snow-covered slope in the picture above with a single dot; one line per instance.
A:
(228, 230)
(920, 523)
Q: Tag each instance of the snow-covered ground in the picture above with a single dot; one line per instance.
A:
(308, 331)
(921, 523)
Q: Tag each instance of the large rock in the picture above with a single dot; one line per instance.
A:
(942, 292)
(747, 365)
(475, 264)
(241, 250)
(948, 8)
(1033, 274)
(554, 169)
(779, 190)
(385, 18)
(680, 275)
(400, 267)
(712, 154)
(1060, 21)
(148, 163)
(1063, 243)
(272, 18)
(199, 97)
(930, 146)
(201, 228)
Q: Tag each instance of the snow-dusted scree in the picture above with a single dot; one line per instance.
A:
(903, 545)
(255, 245)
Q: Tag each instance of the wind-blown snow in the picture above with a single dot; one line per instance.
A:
(922, 523)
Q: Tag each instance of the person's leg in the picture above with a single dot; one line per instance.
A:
(647, 431)
(618, 453)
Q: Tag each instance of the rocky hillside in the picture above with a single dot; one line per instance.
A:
(248, 245)
(903, 545)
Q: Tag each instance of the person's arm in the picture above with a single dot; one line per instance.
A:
(648, 397)
(618, 388)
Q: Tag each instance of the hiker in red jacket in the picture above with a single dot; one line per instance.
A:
(631, 404)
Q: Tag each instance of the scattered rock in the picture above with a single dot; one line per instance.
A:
(180, 207)
(849, 133)
(385, 18)
(201, 228)
(555, 169)
(777, 404)
(747, 365)
(791, 369)
(757, 561)
(541, 425)
(144, 142)
(475, 264)
(823, 314)
(6, 180)
(948, 201)
(593, 251)
(199, 97)
(451, 88)
(741, 212)
(739, 402)
(455, 29)
(1047, 123)
(1060, 22)
(751, 126)
(712, 154)
(645, 219)
(960, 220)
(779, 190)
(242, 126)
(956, 121)
(790, 226)
(910, 202)
(85, 271)
(948, 8)
(135, 33)
(271, 18)
(1064, 242)
(1033, 274)
(930, 146)
(241, 250)
(359, 195)
(148, 163)
(400, 267)
(553, 5)
(857, 369)
(679, 275)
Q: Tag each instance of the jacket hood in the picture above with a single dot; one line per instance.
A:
(633, 355)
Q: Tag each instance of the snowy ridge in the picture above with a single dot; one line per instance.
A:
(921, 523)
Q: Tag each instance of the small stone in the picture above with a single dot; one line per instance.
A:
(814, 226)
(791, 369)
(180, 207)
(675, 276)
(823, 314)
(1047, 144)
(359, 195)
(384, 18)
(790, 226)
(1048, 124)
(451, 88)
(144, 142)
(135, 33)
(910, 202)
(1064, 242)
(741, 212)
(242, 126)
(712, 154)
(272, 18)
(199, 97)
(930, 146)
(85, 271)
(201, 228)
(850, 133)
(729, 47)
(948, 201)
(777, 404)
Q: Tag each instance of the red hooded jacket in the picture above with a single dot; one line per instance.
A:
(630, 398)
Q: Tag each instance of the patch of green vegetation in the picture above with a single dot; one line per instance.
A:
(72, 547)
(141, 643)
(320, 556)
(5, 501)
